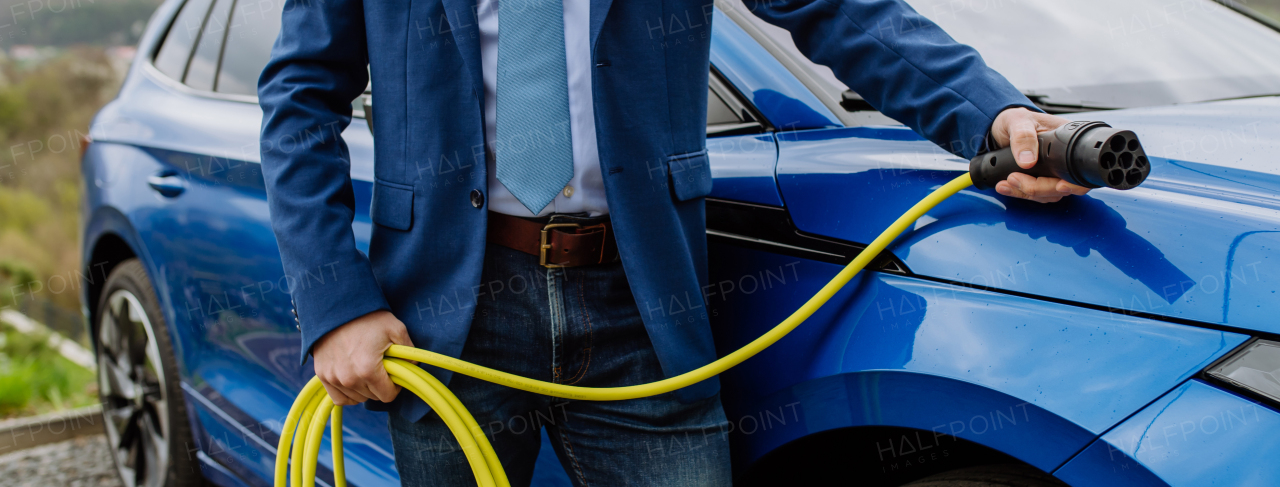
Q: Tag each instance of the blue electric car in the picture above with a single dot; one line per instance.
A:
(1118, 338)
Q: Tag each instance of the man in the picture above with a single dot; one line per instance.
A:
(576, 113)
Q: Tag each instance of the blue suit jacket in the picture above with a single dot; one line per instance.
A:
(428, 240)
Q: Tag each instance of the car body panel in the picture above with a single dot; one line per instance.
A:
(217, 474)
(1189, 243)
(857, 361)
(742, 168)
(1195, 435)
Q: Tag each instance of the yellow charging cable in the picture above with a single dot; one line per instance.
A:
(313, 408)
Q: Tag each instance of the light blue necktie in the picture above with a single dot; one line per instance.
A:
(534, 148)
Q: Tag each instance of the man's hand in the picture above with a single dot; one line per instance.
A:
(1020, 126)
(349, 358)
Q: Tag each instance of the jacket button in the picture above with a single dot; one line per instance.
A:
(477, 198)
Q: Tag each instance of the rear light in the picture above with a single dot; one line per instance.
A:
(85, 140)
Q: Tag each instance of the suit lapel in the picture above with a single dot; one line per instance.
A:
(466, 34)
(599, 10)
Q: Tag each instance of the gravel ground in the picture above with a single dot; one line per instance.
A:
(79, 462)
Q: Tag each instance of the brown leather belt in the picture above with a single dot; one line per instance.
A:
(557, 242)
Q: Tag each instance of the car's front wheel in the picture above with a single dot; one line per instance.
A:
(144, 415)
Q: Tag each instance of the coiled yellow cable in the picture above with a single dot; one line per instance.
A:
(313, 408)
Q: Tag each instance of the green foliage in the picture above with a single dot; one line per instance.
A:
(13, 277)
(35, 379)
(70, 22)
(44, 110)
(39, 100)
(22, 210)
(15, 272)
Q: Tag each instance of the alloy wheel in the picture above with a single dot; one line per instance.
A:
(131, 384)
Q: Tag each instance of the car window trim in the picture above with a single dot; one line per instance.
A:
(195, 43)
(222, 48)
(751, 121)
(151, 70)
(167, 81)
(164, 36)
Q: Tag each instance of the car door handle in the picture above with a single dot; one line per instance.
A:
(167, 183)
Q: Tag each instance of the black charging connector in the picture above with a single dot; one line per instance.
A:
(1089, 154)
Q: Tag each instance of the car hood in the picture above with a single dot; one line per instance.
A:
(1197, 242)
(1238, 134)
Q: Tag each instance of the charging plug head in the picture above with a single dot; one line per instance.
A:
(1088, 154)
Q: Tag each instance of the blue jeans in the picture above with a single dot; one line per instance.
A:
(575, 326)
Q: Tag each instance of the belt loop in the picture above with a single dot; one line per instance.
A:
(604, 242)
(604, 239)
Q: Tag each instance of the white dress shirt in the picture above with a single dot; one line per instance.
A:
(585, 192)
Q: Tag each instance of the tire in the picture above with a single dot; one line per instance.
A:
(990, 476)
(143, 412)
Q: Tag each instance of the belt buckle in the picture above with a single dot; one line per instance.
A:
(543, 245)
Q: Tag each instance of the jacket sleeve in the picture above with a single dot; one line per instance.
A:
(317, 67)
(902, 64)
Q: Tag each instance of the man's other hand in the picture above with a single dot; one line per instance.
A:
(349, 358)
(1019, 126)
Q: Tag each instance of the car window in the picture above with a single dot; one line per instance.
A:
(172, 57)
(204, 63)
(718, 112)
(1140, 53)
(254, 26)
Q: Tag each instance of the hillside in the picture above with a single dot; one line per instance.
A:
(70, 22)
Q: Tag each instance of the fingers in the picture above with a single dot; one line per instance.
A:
(400, 336)
(351, 386)
(1025, 143)
(348, 359)
(1020, 128)
(1017, 128)
(1046, 122)
(340, 395)
(1041, 190)
(380, 385)
(370, 382)
(1064, 186)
